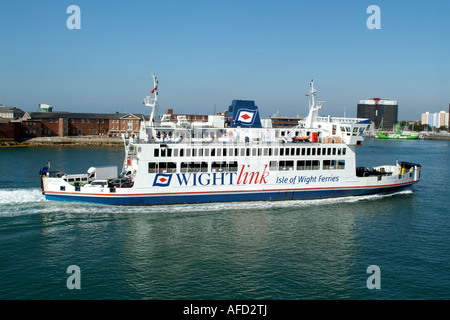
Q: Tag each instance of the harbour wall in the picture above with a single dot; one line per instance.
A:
(85, 141)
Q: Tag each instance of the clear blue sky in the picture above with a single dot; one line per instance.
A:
(207, 53)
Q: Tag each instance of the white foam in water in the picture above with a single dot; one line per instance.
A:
(251, 205)
(16, 196)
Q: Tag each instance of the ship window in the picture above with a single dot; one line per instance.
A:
(163, 152)
(292, 151)
(152, 167)
(233, 166)
(213, 152)
(333, 164)
(344, 151)
(334, 151)
(242, 152)
(247, 152)
(266, 151)
(253, 152)
(315, 165)
(329, 152)
(308, 152)
(281, 151)
(194, 152)
(318, 151)
(194, 167)
(303, 151)
(308, 165)
(175, 152)
(230, 152)
(181, 152)
(188, 152)
(224, 166)
(286, 165)
(207, 152)
(298, 151)
(156, 154)
(275, 151)
(313, 151)
(259, 152)
(273, 166)
(224, 154)
(165, 167)
(270, 151)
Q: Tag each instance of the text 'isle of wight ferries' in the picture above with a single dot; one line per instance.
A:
(244, 177)
(306, 179)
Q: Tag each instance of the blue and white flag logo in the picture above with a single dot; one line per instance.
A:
(246, 116)
(162, 180)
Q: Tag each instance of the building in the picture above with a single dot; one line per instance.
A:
(45, 107)
(9, 130)
(279, 121)
(170, 116)
(383, 113)
(437, 119)
(10, 113)
(128, 124)
(62, 124)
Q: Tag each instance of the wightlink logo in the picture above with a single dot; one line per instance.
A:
(245, 176)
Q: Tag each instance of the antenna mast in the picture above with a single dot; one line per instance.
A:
(152, 102)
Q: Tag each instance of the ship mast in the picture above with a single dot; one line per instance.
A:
(152, 102)
(313, 107)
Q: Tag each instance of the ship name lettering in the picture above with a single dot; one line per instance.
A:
(252, 177)
(205, 179)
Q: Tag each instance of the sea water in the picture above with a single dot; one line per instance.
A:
(313, 249)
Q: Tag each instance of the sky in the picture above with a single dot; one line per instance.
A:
(207, 53)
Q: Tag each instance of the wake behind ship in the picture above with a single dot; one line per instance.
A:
(233, 157)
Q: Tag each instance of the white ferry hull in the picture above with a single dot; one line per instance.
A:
(189, 198)
(268, 193)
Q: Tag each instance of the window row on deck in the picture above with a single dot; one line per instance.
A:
(232, 166)
(249, 152)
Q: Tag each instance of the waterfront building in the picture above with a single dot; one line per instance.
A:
(383, 113)
(436, 119)
(279, 121)
(10, 113)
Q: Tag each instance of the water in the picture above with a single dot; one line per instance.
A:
(316, 249)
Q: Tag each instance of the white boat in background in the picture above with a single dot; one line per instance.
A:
(233, 157)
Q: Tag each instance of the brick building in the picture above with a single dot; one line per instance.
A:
(9, 130)
(170, 116)
(62, 124)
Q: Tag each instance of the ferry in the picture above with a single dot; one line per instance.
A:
(234, 156)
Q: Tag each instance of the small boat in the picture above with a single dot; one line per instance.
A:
(398, 134)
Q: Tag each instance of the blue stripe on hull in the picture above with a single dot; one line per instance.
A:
(222, 197)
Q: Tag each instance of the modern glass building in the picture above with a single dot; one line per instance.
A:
(382, 113)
